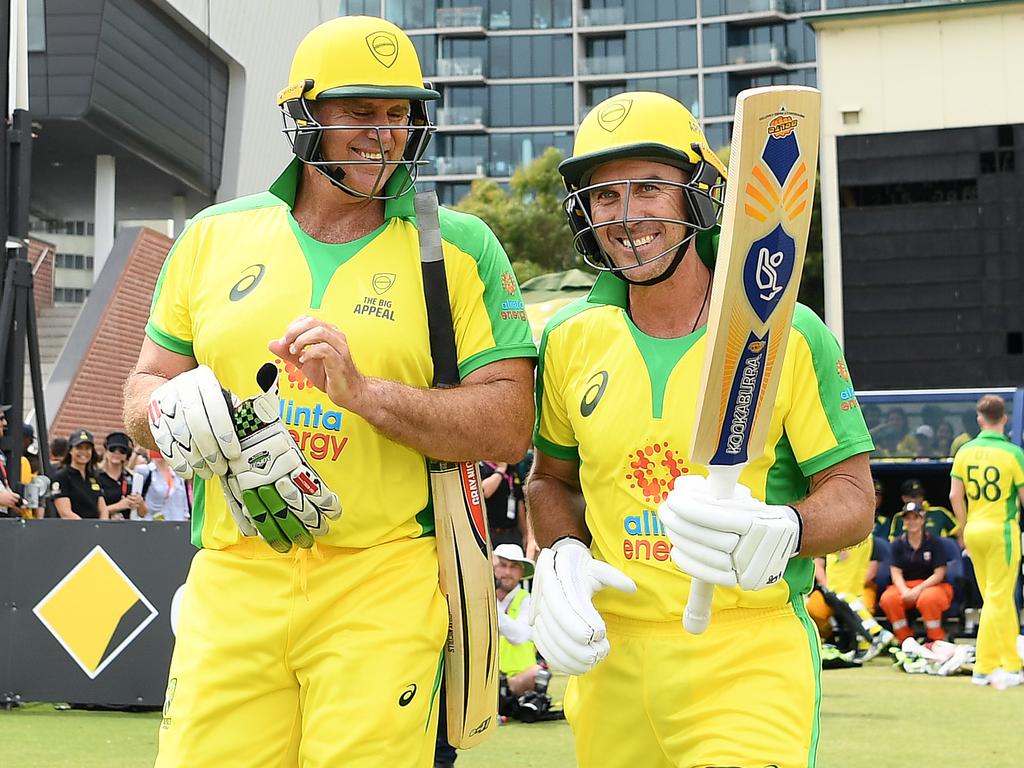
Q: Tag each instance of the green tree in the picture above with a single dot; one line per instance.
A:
(527, 219)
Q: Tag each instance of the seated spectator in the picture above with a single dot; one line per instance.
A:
(522, 678)
(924, 436)
(969, 430)
(116, 480)
(503, 497)
(918, 578)
(76, 491)
(892, 437)
(845, 594)
(943, 439)
(165, 496)
(939, 521)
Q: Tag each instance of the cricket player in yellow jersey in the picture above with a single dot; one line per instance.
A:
(312, 623)
(986, 491)
(616, 396)
(844, 588)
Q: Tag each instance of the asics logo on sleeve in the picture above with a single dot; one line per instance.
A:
(594, 393)
(407, 695)
(250, 279)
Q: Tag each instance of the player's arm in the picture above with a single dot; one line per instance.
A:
(839, 511)
(490, 415)
(568, 630)
(156, 366)
(958, 500)
(556, 506)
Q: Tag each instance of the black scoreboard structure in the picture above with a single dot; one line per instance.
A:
(932, 233)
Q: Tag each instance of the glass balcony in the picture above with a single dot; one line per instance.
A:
(603, 65)
(459, 165)
(602, 17)
(502, 20)
(769, 7)
(472, 16)
(470, 66)
(766, 54)
(456, 116)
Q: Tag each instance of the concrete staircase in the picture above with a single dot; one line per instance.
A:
(54, 324)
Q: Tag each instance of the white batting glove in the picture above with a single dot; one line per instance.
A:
(735, 541)
(190, 418)
(270, 487)
(567, 629)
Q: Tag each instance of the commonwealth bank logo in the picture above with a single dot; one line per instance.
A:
(95, 612)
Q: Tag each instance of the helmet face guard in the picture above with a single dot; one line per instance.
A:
(305, 134)
(702, 195)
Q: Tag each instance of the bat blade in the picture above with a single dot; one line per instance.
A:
(766, 217)
(467, 582)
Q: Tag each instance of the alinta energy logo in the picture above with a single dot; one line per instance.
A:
(614, 113)
(508, 282)
(384, 47)
(653, 468)
(316, 430)
(294, 375)
(95, 612)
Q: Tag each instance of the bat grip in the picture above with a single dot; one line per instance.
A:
(722, 480)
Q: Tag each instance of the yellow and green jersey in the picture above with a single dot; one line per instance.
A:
(621, 403)
(847, 569)
(992, 470)
(242, 271)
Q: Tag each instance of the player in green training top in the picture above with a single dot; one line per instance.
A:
(986, 491)
(616, 502)
(325, 653)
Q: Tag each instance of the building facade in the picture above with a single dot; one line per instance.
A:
(518, 76)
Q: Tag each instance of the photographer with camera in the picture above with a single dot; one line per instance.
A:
(523, 689)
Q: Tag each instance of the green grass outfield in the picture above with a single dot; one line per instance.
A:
(874, 717)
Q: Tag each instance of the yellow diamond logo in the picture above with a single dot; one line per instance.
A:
(95, 612)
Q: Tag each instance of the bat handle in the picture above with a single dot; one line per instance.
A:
(697, 615)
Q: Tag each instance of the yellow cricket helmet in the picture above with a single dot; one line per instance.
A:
(356, 57)
(640, 125)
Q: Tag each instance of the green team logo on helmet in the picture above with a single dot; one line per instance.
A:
(384, 47)
(613, 113)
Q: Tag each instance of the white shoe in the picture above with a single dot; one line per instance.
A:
(979, 679)
(997, 680)
(1013, 679)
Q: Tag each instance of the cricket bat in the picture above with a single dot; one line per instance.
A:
(765, 220)
(465, 569)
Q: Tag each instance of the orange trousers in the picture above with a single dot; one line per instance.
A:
(931, 604)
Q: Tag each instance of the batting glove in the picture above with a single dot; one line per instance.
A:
(567, 629)
(735, 541)
(190, 418)
(270, 487)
